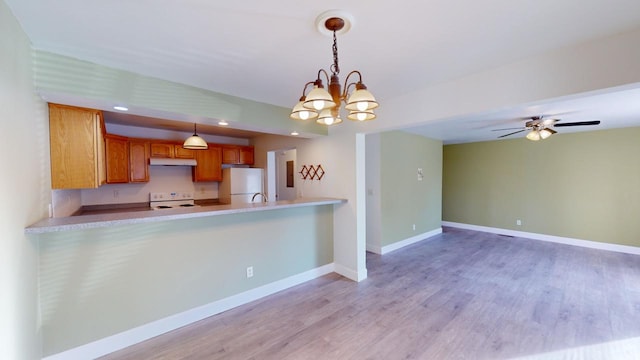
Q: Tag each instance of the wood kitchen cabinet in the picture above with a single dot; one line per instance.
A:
(237, 155)
(246, 155)
(181, 153)
(170, 150)
(209, 166)
(117, 159)
(77, 147)
(139, 153)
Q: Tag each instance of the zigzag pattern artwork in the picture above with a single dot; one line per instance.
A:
(311, 172)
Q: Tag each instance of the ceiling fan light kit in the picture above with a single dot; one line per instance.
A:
(540, 129)
(325, 104)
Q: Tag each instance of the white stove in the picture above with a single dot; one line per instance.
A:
(171, 200)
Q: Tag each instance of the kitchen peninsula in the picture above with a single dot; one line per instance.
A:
(141, 217)
(115, 279)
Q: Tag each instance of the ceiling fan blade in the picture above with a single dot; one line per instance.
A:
(513, 128)
(578, 123)
(501, 136)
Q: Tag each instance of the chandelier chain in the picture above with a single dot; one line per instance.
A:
(335, 68)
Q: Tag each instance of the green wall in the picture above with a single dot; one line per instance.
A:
(581, 185)
(84, 83)
(99, 282)
(25, 169)
(404, 200)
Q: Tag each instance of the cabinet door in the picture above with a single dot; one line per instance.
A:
(138, 161)
(117, 158)
(101, 160)
(246, 155)
(209, 166)
(161, 150)
(182, 153)
(230, 155)
(76, 147)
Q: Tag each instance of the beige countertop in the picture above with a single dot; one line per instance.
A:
(140, 217)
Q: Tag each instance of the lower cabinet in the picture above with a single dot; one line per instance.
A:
(209, 166)
(117, 159)
(139, 154)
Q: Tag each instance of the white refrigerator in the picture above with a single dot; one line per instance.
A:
(238, 185)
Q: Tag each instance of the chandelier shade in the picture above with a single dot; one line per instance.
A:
(361, 100)
(328, 117)
(325, 104)
(300, 112)
(361, 115)
(319, 99)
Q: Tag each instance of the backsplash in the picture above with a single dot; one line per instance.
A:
(161, 179)
(65, 202)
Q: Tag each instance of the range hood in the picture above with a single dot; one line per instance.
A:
(172, 162)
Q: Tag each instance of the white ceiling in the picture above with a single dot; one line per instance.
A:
(266, 51)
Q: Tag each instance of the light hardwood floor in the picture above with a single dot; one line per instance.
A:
(459, 295)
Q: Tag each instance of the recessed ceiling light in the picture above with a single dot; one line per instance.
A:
(223, 123)
(121, 108)
(294, 133)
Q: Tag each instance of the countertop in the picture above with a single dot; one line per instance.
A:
(125, 217)
(130, 207)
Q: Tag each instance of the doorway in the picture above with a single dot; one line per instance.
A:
(281, 167)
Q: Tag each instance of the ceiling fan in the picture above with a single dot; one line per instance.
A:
(541, 128)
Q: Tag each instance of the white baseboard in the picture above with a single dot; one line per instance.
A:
(381, 250)
(550, 238)
(350, 274)
(133, 336)
(376, 249)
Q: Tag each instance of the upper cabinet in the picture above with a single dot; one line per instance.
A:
(246, 155)
(237, 155)
(181, 153)
(117, 159)
(209, 166)
(77, 147)
(139, 160)
(170, 150)
(84, 156)
(127, 159)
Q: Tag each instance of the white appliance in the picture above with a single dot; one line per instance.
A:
(239, 185)
(171, 200)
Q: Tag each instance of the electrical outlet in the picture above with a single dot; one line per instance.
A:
(414, 227)
(420, 174)
(250, 271)
(519, 222)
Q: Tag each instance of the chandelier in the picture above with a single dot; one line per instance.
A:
(323, 105)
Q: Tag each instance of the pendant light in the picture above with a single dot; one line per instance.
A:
(195, 142)
(325, 105)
